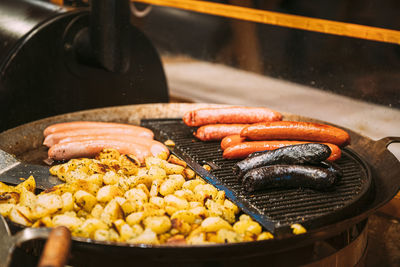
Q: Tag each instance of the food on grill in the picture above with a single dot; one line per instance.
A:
(215, 132)
(56, 137)
(90, 148)
(298, 229)
(113, 198)
(76, 125)
(296, 130)
(86, 139)
(291, 176)
(231, 140)
(297, 154)
(154, 146)
(332, 167)
(228, 115)
(244, 149)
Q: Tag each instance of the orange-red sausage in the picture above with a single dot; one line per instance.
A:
(231, 140)
(214, 132)
(230, 115)
(295, 130)
(154, 146)
(76, 125)
(242, 150)
(54, 138)
(90, 148)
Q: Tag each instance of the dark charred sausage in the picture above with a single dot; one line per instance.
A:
(230, 115)
(244, 149)
(288, 176)
(216, 132)
(296, 154)
(296, 130)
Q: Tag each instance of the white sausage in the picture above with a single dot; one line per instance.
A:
(76, 125)
(54, 138)
(90, 148)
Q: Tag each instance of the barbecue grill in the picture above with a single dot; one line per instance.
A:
(72, 56)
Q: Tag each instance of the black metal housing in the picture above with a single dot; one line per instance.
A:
(43, 70)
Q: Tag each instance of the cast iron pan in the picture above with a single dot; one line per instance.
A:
(25, 142)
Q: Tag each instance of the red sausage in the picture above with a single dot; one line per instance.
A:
(215, 132)
(76, 125)
(242, 150)
(90, 148)
(154, 146)
(242, 115)
(54, 138)
(295, 130)
(231, 140)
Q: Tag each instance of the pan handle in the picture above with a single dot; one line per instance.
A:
(386, 141)
(57, 247)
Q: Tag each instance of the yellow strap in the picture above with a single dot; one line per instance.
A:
(285, 20)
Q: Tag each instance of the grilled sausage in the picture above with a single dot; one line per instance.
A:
(231, 140)
(76, 125)
(154, 146)
(333, 168)
(90, 148)
(242, 115)
(288, 176)
(216, 132)
(54, 138)
(244, 149)
(295, 130)
(296, 154)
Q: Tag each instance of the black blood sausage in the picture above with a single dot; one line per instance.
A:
(296, 154)
(288, 176)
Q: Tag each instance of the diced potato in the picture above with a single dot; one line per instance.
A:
(147, 237)
(184, 215)
(27, 198)
(188, 173)
(108, 192)
(173, 168)
(158, 224)
(191, 185)
(179, 203)
(173, 183)
(134, 218)
(6, 208)
(110, 178)
(85, 200)
(21, 215)
(136, 195)
(97, 211)
(112, 211)
(228, 236)
(213, 224)
(265, 236)
(298, 229)
(247, 226)
(47, 204)
(29, 184)
(9, 198)
(5, 188)
(71, 222)
(67, 202)
(89, 226)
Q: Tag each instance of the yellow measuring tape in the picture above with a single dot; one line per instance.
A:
(284, 20)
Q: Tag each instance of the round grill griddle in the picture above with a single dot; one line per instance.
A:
(276, 209)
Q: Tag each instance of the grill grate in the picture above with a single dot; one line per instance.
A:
(275, 209)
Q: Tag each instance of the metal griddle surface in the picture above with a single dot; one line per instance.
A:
(275, 209)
